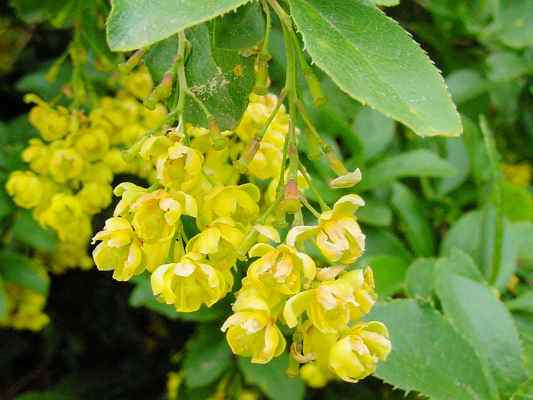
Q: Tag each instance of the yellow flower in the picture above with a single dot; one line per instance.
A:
(252, 331)
(333, 304)
(95, 197)
(129, 193)
(65, 164)
(283, 269)
(139, 83)
(518, 174)
(119, 250)
(218, 242)
(37, 154)
(26, 189)
(338, 235)
(180, 167)
(239, 203)
(91, 144)
(97, 172)
(51, 123)
(267, 161)
(357, 354)
(66, 216)
(156, 214)
(114, 160)
(190, 283)
(347, 180)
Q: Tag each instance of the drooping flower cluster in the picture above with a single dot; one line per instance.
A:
(192, 226)
(25, 307)
(72, 165)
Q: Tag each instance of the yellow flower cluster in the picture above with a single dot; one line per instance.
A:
(25, 307)
(198, 179)
(72, 165)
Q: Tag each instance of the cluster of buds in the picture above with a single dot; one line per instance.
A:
(72, 164)
(234, 187)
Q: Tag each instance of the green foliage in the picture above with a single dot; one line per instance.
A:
(130, 26)
(18, 269)
(404, 84)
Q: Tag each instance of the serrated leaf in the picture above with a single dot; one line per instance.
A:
(272, 378)
(420, 278)
(475, 311)
(139, 23)
(428, 355)
(416, 163)
(221, 78)
(21, 270)
(415, 224)
(374, 60)
(207, 357)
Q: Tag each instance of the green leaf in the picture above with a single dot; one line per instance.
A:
(522, 303)
(37, 11)
(375, 130)
(420, 277)
(375, 213)
(381, 242)
(428, 355)
(242, 29)
(27, 230)
(3, 300)
(457, 155)
(389, 274)
(410, 210)
(460, 263)
(475, 311)
(221, 78)
(466, 84)
(159, 58)
(386, 3)
(37, 83)
(207, 357)
(524, 392)
(415, 163)
(6, 204)
(21, 270)
(506, 66)
(374, 60)
(524, 324)
(135, 24)
(272, 379)
(513, 23)
(517, 202)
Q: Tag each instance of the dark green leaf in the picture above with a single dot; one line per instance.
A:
(415, 224)
(524, 392)
(242, 29)
(3, 300)
(139, 23)
(21, 270)
(272, 378)
(6, 204)
(428, 355)
(522, 303)
(374, 60)
(221, 78)
(416, 163)
(476, 312)
(160, 57)
(456, 155)
(207, 357)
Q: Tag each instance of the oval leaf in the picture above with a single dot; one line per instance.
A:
(139, 23)
(374, 60)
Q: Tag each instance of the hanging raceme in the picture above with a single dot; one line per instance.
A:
(243, 188)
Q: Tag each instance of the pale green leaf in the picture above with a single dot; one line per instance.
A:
(133, 24)
(374, 60)
(466, 84)
(420, 278)
(514, 23)
(375, 130)
(415, 163)
(375, 213)
(428, 355)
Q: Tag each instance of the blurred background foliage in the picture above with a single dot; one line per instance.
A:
(438, 211)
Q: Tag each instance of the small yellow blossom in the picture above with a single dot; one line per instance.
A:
(26, 189)
(37, 154)
(65, 164)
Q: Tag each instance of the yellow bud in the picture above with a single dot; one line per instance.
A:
(66, 164)
(26, 189)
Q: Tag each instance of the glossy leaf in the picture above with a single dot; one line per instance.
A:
(374, 60)
(389, 274)
(134, 24)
